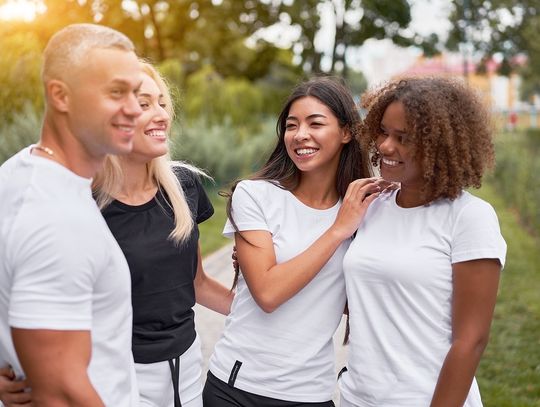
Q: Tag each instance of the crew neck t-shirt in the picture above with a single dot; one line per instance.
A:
(162, 272)
(287, 354)
(398, 273)
(61, 269)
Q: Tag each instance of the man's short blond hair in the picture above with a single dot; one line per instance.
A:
(67, 49)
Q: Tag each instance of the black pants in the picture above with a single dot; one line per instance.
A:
(217, 393)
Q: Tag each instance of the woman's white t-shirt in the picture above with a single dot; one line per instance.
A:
(287, 354)
(398, 273)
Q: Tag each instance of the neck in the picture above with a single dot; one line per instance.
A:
(410, 197)
(137, 186)
(67, 150)
(317, 192)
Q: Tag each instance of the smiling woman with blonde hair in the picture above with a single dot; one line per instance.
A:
(152, 207)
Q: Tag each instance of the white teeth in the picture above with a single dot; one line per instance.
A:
(155, 133)
(390, 162)
(305, 151)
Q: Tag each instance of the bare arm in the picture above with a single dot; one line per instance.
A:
(209, 292)
(272, 284)
(56, 363)
(475, 286)
(13, 393)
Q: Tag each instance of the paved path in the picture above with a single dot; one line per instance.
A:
(210, 324)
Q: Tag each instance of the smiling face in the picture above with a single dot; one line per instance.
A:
(150, 139)
(313, 137)
(397, 162)
(102, 102)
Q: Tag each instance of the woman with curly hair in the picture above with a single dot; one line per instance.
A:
(423, 271)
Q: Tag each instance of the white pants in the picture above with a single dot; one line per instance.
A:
(155, 380)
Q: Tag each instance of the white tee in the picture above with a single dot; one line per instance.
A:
(287, 354)
(398, 273)
(61, 269)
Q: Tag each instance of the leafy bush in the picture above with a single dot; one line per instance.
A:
(19, 75)
(225, 151)
(21, 131)
(516, 174)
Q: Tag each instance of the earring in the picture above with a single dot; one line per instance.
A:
(375, 158)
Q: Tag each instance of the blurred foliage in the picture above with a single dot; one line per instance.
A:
(516, 175)
(22, 130)
(509, 28)
(225, 151)
(20, 81)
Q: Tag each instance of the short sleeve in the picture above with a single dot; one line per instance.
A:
(198, 201)
(477, 234)
(53, 277)
(247, 210)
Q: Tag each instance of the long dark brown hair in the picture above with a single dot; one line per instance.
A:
(280, 169)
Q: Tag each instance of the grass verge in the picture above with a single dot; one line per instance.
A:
(509, 373)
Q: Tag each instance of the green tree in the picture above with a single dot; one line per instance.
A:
(506, 27)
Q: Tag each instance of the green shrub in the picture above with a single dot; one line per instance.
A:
(21, 131)
(226, 152)
(516, 174)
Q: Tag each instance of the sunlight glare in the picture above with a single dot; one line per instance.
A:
(23, 10)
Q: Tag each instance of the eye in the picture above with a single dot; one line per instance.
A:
(290, 126)
(403, 139)
(117, 92)
(317, 124)
(144, 105)
(163, 105)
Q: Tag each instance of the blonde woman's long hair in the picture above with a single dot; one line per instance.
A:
(108, 182)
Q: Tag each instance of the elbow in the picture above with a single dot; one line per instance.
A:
(267, 303)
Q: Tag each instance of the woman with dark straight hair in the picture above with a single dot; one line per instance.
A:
(292, 222)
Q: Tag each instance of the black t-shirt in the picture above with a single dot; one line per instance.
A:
(161, 273)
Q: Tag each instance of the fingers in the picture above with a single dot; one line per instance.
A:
(8, 372)
(360, 188)
(17, 399)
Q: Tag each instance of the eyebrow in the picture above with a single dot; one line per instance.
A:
(147, 95)
(311, 116)
(397, 130)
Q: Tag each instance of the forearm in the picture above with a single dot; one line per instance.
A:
(71, 393)
(211, 294)
(457, 374)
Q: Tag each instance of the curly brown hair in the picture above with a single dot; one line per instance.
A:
(448, 126)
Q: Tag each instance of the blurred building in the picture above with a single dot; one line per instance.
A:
(501, 92)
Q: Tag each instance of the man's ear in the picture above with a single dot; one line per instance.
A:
(58, 95)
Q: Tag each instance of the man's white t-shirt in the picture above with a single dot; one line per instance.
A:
(398, 273)
(61, 269)
(287, 354)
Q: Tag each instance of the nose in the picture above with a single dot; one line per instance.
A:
(132, 106)
(302, 133)
(161, 117)
(386, 145)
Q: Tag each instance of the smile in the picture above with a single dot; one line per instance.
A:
(156, 133)
(390, 163)
(305, 151)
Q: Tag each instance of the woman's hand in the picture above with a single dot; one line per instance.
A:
(12, 392)
(358, 197)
